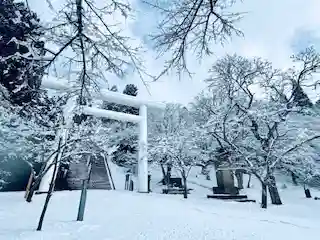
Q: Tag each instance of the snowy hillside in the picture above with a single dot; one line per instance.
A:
(129, 215)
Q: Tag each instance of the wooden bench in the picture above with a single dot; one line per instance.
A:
(173, 182)
(175, 190)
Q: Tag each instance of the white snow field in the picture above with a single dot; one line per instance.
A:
(123, 215)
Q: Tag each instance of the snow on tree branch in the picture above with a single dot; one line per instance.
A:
(92, 44)
(261, 130)
(192, 25)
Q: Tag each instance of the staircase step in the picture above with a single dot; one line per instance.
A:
(227, 197)
(99, 178)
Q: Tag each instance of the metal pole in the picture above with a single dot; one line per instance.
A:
(149, 183)
(143, 151)
(83, 198)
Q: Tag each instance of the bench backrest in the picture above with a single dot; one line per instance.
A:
(175, 182)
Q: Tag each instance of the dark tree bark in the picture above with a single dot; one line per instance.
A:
(273, 190)
(185, 187)
(163, 173)
(264, 196)
(38, 179)
(31, 179)
(31, 191)
(168, 175)
(51, 188)
(294, 178)
(307, 192)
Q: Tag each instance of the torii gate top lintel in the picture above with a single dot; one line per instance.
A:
(103, 94)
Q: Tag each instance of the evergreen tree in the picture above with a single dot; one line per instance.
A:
(20, 45)
(111, 106)
(131, 90)
(300, 97)
(125, 155)
(21, 71)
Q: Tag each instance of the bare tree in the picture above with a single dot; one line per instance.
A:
(192, 25)
(255, 129)
(90, 44)
(173, 142)
(51, 188)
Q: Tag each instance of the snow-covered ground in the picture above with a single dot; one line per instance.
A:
(129, 215)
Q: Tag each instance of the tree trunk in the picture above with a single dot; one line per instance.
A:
(168, 176)
(31, 190)
(51, 188)
(46, 203)
(164, 174)
(169, 168)
(37, 181)
(249, 181)
(239, 176)
(264, 195)
(307, 192)
(30, 181)
(185, 187)
(294, 178)
(273, 190)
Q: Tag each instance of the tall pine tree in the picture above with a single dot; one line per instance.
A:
(20, 46)
(300, 98)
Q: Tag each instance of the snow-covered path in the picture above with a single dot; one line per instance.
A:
(125, 215)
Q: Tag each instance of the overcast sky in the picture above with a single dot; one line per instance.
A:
(273, 29)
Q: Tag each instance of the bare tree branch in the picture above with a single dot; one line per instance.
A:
(192, 25)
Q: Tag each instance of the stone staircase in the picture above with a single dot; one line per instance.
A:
(99, 175)
(99, 178)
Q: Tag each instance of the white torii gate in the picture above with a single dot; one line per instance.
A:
(122, 99)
